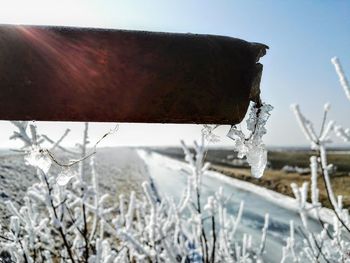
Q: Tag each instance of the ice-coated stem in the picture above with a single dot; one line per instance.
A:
(342, 78)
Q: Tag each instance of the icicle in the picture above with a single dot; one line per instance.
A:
(253, 148)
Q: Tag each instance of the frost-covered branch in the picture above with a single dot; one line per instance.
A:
(330, 246)
(65, 217)
(342, 78)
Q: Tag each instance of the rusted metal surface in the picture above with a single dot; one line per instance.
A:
(71, 74)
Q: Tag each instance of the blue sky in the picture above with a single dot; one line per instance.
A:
(303, 36)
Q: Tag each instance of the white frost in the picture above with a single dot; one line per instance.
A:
(64, 177)
(342, 78)
(38, 158)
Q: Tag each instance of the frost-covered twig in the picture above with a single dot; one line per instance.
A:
(342, 133)
(57, 143)
(330, 246)
(70, 210)
(342, 78)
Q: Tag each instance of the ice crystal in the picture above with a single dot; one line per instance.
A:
(252, 147)
(208, 133)
(64, 177)
(38, 158)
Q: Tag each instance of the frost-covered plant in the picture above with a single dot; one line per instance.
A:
(54, 220)
(65, 216)
(331, 244)
(187, 230)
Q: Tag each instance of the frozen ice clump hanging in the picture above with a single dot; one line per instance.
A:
(65, 176)
(253, 147)
(38, 158)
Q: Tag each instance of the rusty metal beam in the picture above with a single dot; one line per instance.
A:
(75, 74)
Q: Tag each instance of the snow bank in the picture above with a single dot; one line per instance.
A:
(272, 196)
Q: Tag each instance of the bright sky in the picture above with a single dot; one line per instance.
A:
(303, 36)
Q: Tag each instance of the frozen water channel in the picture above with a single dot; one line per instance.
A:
(170, 177)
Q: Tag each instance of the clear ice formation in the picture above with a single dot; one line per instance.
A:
(38, 158)
(253, 147)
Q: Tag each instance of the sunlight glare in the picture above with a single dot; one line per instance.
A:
(49, 12)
